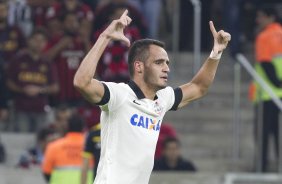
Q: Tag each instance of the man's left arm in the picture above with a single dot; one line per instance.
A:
(200, 83)
(47, 164)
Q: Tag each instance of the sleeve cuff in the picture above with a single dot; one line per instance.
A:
(105, 99)
(178, 97)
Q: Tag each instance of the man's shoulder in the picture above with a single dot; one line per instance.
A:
(166, 90)
(269, 32)
(56, 143)
(116, 86)
(115, 83)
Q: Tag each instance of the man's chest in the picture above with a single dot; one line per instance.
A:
(142, 115)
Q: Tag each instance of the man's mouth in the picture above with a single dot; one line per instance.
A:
(165, 78)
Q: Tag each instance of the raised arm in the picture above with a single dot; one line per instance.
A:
(92, 89)
(200, 83)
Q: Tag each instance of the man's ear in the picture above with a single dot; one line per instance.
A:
(138, 66)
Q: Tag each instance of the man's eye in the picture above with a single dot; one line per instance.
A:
(158, 62)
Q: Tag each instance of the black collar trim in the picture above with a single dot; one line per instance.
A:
(137, 90)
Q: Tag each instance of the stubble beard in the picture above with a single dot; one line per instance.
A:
(152, 83)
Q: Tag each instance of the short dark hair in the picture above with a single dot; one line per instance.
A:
(171, 140)
(268, 10)
(75, 123)
(140, 51)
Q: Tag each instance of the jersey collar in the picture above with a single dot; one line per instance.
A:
(138, 92)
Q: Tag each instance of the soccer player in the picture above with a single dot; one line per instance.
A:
(132, 113)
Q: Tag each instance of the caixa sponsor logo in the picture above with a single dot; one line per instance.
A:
(145, 122)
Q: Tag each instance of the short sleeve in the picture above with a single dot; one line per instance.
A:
(171, 97)
(48, 161)
(117, 95)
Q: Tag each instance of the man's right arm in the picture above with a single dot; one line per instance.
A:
(264, 58)
(92, 89)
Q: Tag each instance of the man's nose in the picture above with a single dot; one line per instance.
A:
(166, 68)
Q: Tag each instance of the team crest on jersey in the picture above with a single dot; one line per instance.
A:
(145, 122)
(157, 108)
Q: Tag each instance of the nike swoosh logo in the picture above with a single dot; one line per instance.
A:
(134, 101)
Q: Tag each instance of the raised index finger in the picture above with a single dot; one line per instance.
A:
(124, 14)
(214, 32)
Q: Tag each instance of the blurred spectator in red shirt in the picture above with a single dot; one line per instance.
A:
(82, 11)
(171, 159)
(91, 115)
(106, 9)
(166, 131)
(39, 8)
(66, 52)
(113, 65)
(31, 79)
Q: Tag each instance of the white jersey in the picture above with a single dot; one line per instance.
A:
(130, 126)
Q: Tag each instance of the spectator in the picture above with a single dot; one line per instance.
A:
(167, 131)
(171, 159)
(90, 113)
(31, 79)
(83, 13)
(67, 51)
(151, 10)
(56, 32)
(268, 50)
(39, 11)
(113, 66)
(11, 38)
(106, 9)
(62, 159)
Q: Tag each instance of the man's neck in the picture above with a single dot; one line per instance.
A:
(149, 92)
